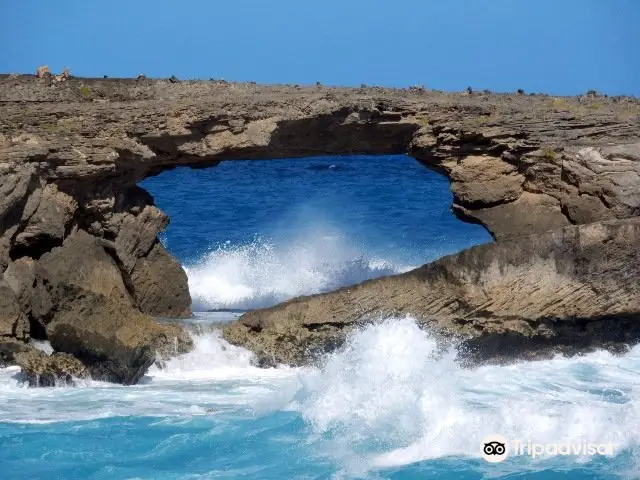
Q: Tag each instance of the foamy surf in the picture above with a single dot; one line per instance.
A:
(388, 399)
(214, 376)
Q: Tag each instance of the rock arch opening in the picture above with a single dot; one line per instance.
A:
(255, 233)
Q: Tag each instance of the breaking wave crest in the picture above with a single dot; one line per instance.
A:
(390, 398)
(261, 273)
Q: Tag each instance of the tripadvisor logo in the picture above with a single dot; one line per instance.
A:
(495, 448)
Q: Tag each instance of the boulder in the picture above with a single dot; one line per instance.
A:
(76, 297)
(42, 370)
(137, 234)
(9, 347)
(115, 342)
(160, 285)
(15, 185)
(566, 291)
(34, 302)
(80, 266)
(45, 223)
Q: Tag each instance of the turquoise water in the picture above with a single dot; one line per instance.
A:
(388, 405)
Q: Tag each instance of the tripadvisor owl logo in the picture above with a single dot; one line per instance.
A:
(494, 448)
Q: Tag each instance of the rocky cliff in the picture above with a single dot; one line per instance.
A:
(73, 151)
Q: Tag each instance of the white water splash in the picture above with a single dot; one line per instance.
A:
(389, 399)
(214, 376)
(261, 274)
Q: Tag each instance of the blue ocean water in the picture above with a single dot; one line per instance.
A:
(254, 233)
(388, 405)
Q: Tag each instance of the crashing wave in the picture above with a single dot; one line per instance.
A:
(260, 273)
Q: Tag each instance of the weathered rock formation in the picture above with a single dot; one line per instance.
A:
(75, 297)
(563, 291)
(72, 153)
(42, 370)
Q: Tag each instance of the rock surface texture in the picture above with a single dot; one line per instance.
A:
(567, 290)
(72, 153)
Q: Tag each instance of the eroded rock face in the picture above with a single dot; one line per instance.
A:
(564, 291)
(13, 322)
(160, 285)
(75, 297)
(70, 162)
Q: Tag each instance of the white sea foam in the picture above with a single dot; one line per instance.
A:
(213, 377)
(260, 273)
(388, 398)
(389, 393)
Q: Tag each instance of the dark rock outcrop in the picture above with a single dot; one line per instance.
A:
(115, 342)
(566, 291)
(42, 370)
(72, 153)
(75, 296)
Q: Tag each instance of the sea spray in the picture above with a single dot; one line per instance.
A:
(261, 273)
(389, 399)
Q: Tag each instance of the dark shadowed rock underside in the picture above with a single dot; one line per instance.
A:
(72, 153)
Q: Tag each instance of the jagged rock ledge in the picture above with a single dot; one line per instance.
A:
(565, 291)
(73, 151)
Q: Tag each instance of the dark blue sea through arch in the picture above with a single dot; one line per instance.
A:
(256, 232)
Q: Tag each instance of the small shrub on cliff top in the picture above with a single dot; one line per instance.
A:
(549, 154)
(560, 103)
(520, 91)
(85, 91)
(49, 127)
